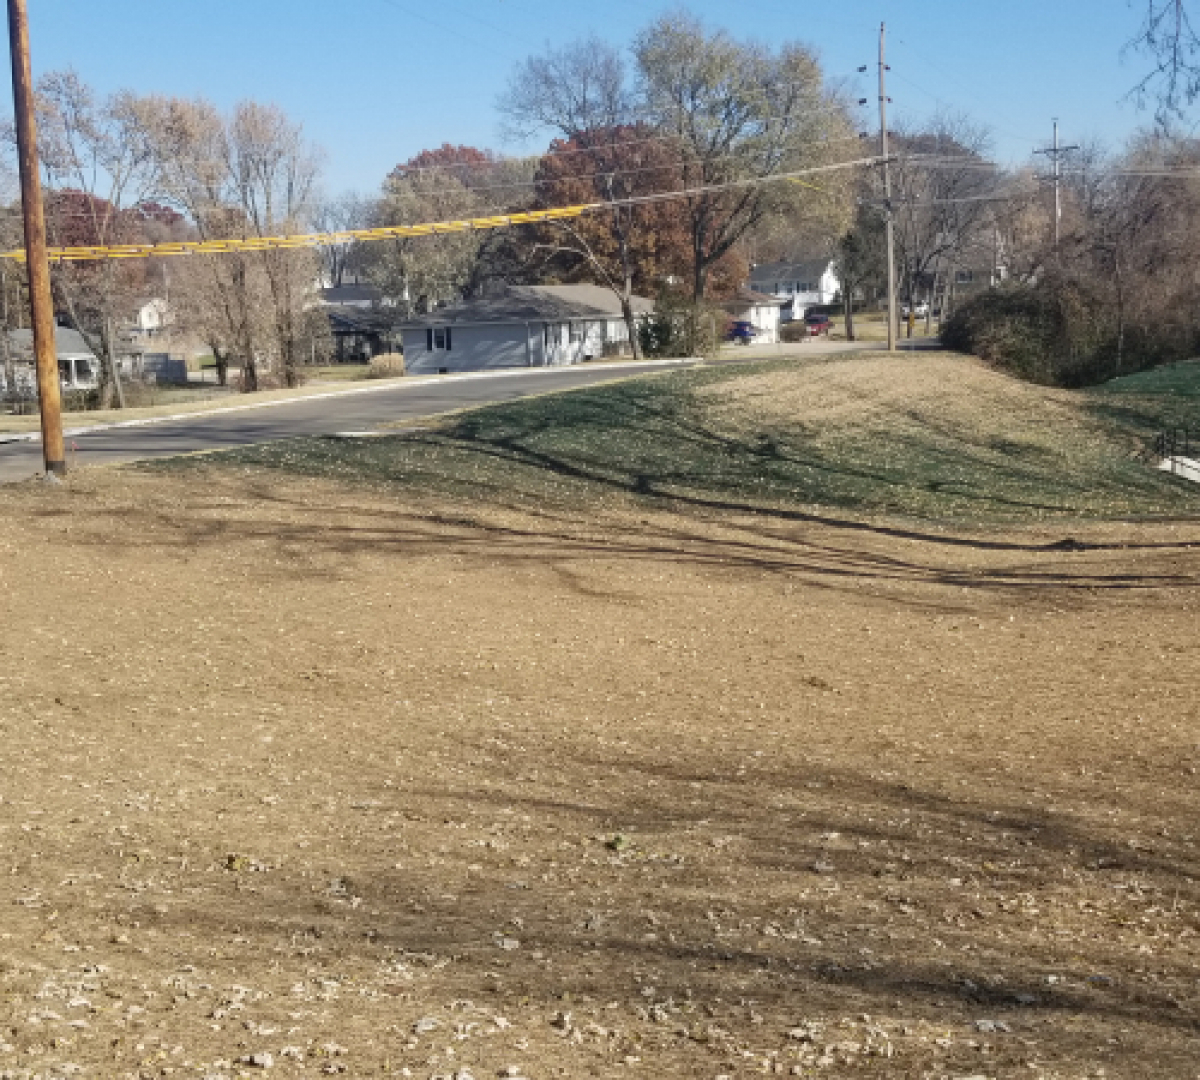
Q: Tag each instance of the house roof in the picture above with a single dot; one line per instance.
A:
(351, 319)
(534, 303)
(792, 270)
(358, 295)
(747, 297)
(67, 342)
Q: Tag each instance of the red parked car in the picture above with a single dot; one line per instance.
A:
(818, 324)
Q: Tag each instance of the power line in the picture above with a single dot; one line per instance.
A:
(312, 240)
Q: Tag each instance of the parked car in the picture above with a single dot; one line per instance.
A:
(818, 324)
(741, 332)
(919, 310)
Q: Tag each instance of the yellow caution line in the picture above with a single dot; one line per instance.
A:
(303, 240)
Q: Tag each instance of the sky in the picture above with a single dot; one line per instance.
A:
(375, 81)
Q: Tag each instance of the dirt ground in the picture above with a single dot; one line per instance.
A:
(302, 780)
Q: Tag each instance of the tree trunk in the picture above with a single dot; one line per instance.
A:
(848, 303)
(221, 362)
(110, 349)
(631, 326)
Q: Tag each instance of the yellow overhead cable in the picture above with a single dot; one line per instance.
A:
(310, 240)
(305, 240)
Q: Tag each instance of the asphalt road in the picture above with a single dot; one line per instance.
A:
(325, 415)
(322, 415)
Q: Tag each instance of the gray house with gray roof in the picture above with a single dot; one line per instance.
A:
(520, 326)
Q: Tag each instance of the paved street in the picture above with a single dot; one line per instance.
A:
(328, 414)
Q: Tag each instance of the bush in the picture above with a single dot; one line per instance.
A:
(386, 366)
(1057, 333)
(678, 328)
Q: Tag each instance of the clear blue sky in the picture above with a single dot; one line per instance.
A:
(375, 81)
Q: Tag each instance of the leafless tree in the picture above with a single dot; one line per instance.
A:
(251, 174)
(741, 113)
(581, 94)
(1169, 38)
(942, 186)
(342, 213)
(97, 169)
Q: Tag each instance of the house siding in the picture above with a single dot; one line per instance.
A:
(472, 348)
(505, 345)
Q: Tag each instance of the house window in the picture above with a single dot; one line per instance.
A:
(964, 277)
(438, 338)
(577, 331)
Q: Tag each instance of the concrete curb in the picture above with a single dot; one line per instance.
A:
(385, 384)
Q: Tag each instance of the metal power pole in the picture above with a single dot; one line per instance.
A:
(37, 263)
(887, 191)
(1055, 153)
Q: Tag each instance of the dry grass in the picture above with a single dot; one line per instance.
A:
(391, 783)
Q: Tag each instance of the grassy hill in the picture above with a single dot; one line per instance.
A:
(930, 435)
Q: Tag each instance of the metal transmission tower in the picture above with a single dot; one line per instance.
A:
(1056, 153)
(37, 263)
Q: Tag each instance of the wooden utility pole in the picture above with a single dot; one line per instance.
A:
(887, 191)
(37, 263)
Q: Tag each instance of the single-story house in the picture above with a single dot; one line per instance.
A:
(77, 364)
(799, 284)
(520, 326)
(758, 309)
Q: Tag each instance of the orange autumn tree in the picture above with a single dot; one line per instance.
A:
(631, 247)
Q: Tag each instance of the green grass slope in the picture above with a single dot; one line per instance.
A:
(933, 435)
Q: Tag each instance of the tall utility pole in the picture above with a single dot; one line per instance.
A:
(887, 190)
(1056, 153)
(37, 263)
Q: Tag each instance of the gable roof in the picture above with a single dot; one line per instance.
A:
(794, 270)
(352, 319)
(359, 295)
(747, 297)
(534, 303)
(67, 342)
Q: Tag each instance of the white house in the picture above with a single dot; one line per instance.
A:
(150, 319)
(798, 285)
(758, 309)
(520, 326)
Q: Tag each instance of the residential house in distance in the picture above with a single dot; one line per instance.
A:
(355, 294)
(520, 326)
(362, 321)
(798, 285)
(78, 367)
(758, 309)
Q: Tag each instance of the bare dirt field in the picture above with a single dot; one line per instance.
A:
(306, 778)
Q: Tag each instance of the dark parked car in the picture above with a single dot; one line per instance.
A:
(741, 332)
(818, 324)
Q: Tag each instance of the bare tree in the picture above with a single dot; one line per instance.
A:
(742, 114)
(249, 175)
(98, 169)
(580, 93)
(942, 185)
(1169, 38)
(343, 213)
